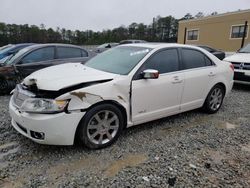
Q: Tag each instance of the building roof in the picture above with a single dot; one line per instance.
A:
(216, 16)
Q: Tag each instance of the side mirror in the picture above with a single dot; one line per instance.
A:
(108, 46)
(150, 74)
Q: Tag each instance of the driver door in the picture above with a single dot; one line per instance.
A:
(157, 98)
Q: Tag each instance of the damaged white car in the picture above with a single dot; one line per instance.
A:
(122, 87)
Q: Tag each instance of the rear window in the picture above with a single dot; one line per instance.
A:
(67, 52)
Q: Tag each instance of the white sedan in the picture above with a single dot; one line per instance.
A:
(122, 87)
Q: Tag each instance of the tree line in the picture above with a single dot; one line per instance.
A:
(162, 29)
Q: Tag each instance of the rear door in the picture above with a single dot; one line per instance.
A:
(70, 54)
(199, 72)
(156, 98)
(35, 60)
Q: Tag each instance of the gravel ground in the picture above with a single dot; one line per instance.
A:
(192, 149)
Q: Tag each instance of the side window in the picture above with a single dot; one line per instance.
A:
(208, 61)
(42, 54)
(164, 61)
(84, 53)
(192, 59)
(67, 52)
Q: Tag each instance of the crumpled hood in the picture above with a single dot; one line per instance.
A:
(62, 76)
(239, 57)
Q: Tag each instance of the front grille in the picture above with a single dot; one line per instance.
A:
(241, 66)
(20, 95)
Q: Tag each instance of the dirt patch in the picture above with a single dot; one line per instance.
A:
(216, 156)
(128, 161)
(246, 148)
(194, 123)
(226, 125)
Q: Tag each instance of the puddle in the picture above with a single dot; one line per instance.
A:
(226, 125)
(11, 151)
(58, 172)
(4, 146)
(74, 166)
(128, 161)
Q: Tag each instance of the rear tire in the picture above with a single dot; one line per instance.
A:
(214, 99)
(101, 126)
(3, 86)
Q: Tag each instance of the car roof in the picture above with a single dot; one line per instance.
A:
(23, 44)
(159, 45)
(52, 44)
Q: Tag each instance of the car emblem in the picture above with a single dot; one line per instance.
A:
(241, 66)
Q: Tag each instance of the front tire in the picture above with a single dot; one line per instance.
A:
(101, 126)
(214, 99)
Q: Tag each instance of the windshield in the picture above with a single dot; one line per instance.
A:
(3, 60)
(18, 54)
(119, 60)
(6, 48)
(245, 49)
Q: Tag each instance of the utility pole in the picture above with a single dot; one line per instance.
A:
(244, 34)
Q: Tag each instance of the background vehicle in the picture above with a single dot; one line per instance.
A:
(105, 47)
(218, 53)
(132, 41)
(241, 62)
(124, 86)
(36, 57)
(12, 49)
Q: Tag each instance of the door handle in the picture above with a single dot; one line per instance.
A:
(211, 74)
(176, 80)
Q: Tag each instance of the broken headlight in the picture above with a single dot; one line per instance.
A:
(39, 105)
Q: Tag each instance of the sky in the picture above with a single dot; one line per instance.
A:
(106, 14)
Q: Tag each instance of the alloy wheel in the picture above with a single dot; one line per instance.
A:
(216, 99)
(102, 127)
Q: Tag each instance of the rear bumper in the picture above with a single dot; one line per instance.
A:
(58, 129)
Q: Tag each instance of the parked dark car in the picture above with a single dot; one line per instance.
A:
(218, 53)
(11, 49)
(105, 47)
(35, 57)
(132, 41)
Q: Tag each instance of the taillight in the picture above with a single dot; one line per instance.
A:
(232, 66)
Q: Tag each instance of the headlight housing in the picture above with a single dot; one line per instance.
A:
(46, 106)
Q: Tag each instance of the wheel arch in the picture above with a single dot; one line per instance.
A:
(222, 85)
(112, 102)
(218, 83)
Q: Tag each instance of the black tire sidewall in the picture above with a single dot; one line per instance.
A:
(82, 130)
